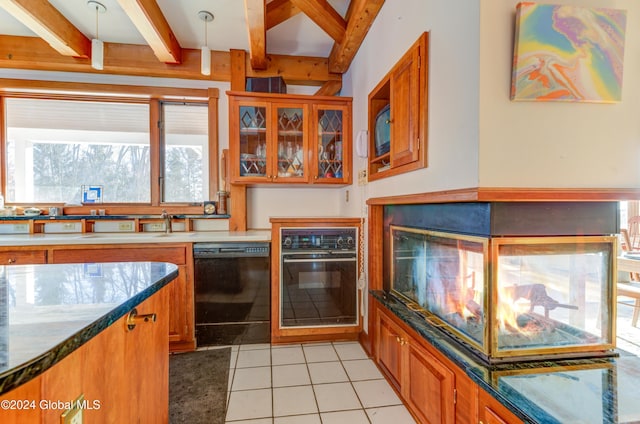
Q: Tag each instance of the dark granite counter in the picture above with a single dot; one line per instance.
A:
(598, 390)
(48, 311)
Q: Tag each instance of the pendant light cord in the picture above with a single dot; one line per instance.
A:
(97, 37)
(206, 41)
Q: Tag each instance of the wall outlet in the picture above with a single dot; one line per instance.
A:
(125, 226)
(155, 226)
(19, 228)
(362, 177)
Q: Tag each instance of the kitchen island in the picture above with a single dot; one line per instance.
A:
(65, 340)
(591, 390)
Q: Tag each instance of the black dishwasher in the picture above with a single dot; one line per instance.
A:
(232, 293)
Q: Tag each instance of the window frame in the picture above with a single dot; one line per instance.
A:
(153, 97)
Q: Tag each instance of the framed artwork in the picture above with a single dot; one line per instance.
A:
(91, 194)
(568, 53)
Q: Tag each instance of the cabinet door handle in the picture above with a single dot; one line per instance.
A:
(11, 261)
(133, 319)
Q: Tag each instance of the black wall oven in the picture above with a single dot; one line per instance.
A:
(318, 277)
(232, 293)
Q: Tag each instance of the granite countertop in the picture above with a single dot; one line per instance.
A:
(48, 311)
(597, 390)
(39, 239)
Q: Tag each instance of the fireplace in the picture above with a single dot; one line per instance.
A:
(506, 290)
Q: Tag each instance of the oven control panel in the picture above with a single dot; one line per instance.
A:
(340, 238)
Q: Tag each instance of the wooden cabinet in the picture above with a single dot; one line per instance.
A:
(289, 139)
(425, 382)
(122, 374)
(490, 411)
(404, 92)
(23, 257)
(181, 318)
(390, 343)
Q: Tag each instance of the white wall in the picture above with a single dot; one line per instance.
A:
(555, 144)
(453, 91)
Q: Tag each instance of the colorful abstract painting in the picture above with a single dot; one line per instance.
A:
(568, 53)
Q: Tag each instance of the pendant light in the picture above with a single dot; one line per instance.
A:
(205, 53)
(97, 46)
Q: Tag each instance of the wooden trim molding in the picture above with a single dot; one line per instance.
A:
(136, 60)
(512, 194)
(214, 173)
(18, 87)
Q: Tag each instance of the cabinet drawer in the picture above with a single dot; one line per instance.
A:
(174, 254)
(23, 257)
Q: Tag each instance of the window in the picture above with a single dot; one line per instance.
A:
(54, 147)
(141, 151)
(185, 152)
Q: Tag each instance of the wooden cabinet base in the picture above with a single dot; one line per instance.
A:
(123, 376)
(432, 387)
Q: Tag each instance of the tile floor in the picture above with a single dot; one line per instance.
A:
(319, 383)
(328, 383)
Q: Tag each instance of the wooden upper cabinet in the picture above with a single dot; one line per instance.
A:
(289, 139)
(398, 115)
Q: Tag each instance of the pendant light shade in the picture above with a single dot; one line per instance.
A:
(97, 46)
(205, 52)
(97, 54)
(205, 60)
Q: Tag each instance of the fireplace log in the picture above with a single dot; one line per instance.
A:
(537, 295)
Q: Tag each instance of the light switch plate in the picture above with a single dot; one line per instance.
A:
(74, 414)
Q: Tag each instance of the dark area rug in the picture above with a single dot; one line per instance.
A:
(198, 386)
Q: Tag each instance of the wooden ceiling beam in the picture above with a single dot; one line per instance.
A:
(255, 11)
(325, 16)
(131, 59)
(154, 28)
(360, 16)
(330, 88)
(279, 11)
(49, 24)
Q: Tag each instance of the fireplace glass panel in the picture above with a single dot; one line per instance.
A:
(510, 298)
(552, 293)
(444, 275)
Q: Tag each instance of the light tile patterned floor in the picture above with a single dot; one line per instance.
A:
(329, 383)
(319, 383)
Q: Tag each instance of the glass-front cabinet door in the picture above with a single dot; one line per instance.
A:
(253, 140)
(290, 145)
(329, 136)
(289, 139)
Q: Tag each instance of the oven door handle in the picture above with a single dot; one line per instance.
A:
(285, 260)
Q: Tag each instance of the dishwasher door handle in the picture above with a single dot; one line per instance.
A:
(286, 261)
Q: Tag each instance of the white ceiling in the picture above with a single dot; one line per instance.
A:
(297, 36)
